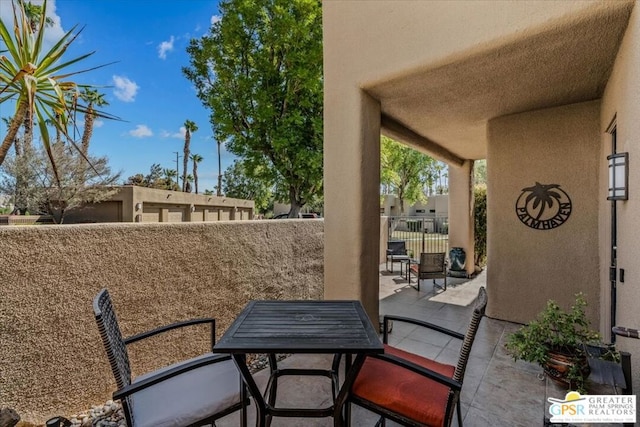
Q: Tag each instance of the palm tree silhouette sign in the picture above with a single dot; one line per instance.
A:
(543, 206)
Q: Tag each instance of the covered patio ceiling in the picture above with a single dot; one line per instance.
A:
(444, 108)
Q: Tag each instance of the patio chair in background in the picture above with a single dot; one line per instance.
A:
(413, 390)
(396, 251)
(433, 265)
(190, 393)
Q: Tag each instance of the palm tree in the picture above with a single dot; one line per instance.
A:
(189, 180)
(196, 158)
(169, 175)
(16, 141)
(542, 195)
(34, 15)
(93, 98)
(219, 193)
(35, 79)
(189, 127)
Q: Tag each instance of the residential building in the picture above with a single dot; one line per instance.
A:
(545, 91)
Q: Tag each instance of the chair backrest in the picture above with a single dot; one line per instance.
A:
(478, 313)
(433, 262)
(112, 338)
(397, 247)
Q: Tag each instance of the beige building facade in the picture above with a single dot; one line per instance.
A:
(436, 206)
(535, 88)
(141, 204)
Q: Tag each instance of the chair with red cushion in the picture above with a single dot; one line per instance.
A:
(413, 390)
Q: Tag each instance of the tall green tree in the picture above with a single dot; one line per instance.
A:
(189, 127)
(480, 171)
(196, 158)
(240, 183)
(403, 171)
(259, 70)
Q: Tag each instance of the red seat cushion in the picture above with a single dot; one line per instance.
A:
(402, 391)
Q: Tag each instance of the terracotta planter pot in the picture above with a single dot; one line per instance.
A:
(558, 365)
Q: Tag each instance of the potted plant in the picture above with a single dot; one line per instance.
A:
(556, 341)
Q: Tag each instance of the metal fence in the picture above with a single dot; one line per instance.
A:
(421, 234)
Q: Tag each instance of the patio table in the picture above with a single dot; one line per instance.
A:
(318, 327)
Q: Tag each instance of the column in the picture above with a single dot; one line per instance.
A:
(461, 211)
(352, 197)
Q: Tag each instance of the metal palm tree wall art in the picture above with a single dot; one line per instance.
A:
(543, 206)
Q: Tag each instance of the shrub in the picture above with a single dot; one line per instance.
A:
(480, 223)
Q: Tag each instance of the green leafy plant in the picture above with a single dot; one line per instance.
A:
(480, 224)
(556, 331)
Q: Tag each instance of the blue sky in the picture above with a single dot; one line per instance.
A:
(146, 87)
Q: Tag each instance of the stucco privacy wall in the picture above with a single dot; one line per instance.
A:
(622, 100)
(52, 359)
(528, 266)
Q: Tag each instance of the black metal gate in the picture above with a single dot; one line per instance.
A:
(421, 234)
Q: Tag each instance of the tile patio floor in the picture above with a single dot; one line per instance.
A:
(497, 391)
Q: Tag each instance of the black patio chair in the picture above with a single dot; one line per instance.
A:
(433, 265)
(194, 392)
(396, 251)
(410, 389)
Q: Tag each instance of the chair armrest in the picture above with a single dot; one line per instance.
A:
(176, 325)
(422, 323)
(389, 252)
(169, 373)
(420, 370)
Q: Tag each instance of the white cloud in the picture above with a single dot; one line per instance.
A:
(165, 47)
(52, 34)
(126, 89)
(215, 18)
(98, 123)
(179, 135)
(141, 131)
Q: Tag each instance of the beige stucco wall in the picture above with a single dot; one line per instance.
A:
(527, 266)
(52, 359)
(622, 100)
(369, 43)
(425, 30)
(400, 58)
(352, 197)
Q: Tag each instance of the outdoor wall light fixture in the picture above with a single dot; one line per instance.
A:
(138, 206)
(618, 176)
(192, 208)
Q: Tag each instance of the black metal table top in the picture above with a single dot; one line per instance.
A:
(301, 327)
